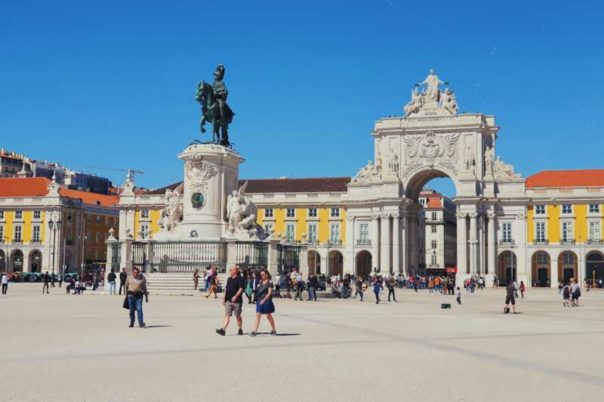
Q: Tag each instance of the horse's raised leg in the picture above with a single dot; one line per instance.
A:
(201, 124)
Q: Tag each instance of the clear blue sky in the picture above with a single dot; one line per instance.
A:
(111, 83)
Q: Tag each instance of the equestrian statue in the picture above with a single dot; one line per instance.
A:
(214, 108)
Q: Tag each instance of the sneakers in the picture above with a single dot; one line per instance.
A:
(143, 325)
(240, 332)
(273, 332)
(131, 325)
(220, 332)
(253, 333)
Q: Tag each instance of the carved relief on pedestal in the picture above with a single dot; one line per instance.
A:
(198, 173)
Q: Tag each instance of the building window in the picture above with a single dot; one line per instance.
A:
(507, 232)
(433, 259)
(37, 214)
(268, 212)
(1, 233)
(268, 228)
(594, 208)
(434, 228)
(1, 214)
(98, 219)
(17, 234)
(568, 258)
(334, 232)
(144, 231)
(290, 232)
(36, 233)
(540, 231)
(335, 212)
(363, 233)
(567, 231)
(98, 238)
(18, 214)
(291, 212)
(433, 244)
(312, 232)
(539, 209)
(312, 212)
(567, 209)
(594, 231)
(433, 216)
(144, 214)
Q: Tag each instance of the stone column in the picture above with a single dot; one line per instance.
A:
(375, 236)
(273, 258)
(404, 246)
(553, 269)
(492, 245)
(385, 242)
(349, 260)
(396, 246)
(462, 246)
(473, 243)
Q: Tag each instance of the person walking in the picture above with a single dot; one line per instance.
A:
(575, 292)
(390, 284)
(212, 283)
(123, 277)
(248, 288)
(4, 283)
(566, 296)
(111, 280)
(195, 278)
(510, 291)
(53, 279)
(522, 289)
(233, 300)
(264, 302)
(313, 284)
(458, 295)
(46, 281)
(377, 287)
(299, 286)
(136, 288)
(359, 287)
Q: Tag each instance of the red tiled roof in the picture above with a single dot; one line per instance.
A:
(90, 198)
(305, 185)
(38, 187)
(567, 178)
(24, 187)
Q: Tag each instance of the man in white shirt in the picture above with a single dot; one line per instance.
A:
(4, 283)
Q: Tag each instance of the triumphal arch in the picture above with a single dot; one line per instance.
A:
(433, 139)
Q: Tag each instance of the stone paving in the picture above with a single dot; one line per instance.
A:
(61, 347)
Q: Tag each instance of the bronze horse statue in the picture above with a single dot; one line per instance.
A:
(215, 111)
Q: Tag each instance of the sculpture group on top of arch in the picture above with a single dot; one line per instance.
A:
(431, 100)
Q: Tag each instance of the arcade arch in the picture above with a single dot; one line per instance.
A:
(336, 263)
(541, 269)
(314, 262)
(363, 263)
(567, 266)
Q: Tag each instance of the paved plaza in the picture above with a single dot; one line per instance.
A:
(66, 347)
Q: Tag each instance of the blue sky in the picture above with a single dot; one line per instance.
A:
(111, 83)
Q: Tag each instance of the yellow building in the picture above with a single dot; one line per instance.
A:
(564, 226)
(46, 227)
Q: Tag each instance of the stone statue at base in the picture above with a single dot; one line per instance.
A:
(241, 216)
(171, 215)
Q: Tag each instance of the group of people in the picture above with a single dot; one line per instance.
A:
(571, 292)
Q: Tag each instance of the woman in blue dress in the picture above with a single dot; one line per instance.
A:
(264, 302)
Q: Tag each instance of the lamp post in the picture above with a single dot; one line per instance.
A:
(54, 224)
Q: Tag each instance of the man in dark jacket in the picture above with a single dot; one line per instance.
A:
(123, 277)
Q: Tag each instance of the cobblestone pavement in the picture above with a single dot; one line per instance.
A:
(62, 347)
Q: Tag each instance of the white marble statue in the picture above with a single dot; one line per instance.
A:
(432, 81)
(172, 213)
(503, 170)
(415, 104)
(448, 101)
(470, 158)
(489, 160)
(242, 213)
(367, 174)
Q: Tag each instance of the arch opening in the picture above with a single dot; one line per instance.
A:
(363, 264)
(567, 266)
(507, 267)
(314, 262)
(594, 268)
(541, 269)
(16, 261)
(336, 263)
(35, 261)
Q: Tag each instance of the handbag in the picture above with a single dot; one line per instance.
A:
(126, 304)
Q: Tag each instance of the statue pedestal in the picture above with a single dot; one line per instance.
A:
(211, 173)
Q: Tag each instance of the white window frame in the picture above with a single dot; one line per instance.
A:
(540, 235)
(312, 212)
(594, 208)
(144, 231)
(434, 244)
(269, 212)
(567, 229)
(334, 232)
(290, 232)
(540, 209)
(434, 228)
(290, 212)
(145, 213)
(18, 233)
(506, 232)
(18, 215)
(567, 209)
(595, 235)
(363, 232)
(37, 214)
(334, 212)
(313, 232)
(35, 233)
